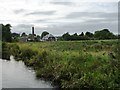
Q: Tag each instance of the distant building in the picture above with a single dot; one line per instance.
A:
(30, 37)
(49, 37)
(23, 39)
(33, 38)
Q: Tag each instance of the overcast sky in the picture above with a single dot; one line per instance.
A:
(58, 17)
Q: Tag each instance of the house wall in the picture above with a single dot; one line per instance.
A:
(23, 39)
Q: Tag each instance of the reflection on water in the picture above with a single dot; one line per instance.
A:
(16, 75)
(0, 74)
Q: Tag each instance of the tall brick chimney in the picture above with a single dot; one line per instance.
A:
(32, 30)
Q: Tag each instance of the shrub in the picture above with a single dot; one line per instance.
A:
(27, 53)
(5, 51)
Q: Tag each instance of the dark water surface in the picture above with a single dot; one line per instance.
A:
(16, 75)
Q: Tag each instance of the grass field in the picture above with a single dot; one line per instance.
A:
(72, 64)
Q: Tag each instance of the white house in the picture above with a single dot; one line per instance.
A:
(49, 37)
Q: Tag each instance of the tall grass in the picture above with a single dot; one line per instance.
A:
(78, 64)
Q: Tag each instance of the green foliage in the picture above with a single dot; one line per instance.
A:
(15, 37)
(23, 34)
(6, 33)
(73, 64)
(89, 34)
(44, 34)
(15, 50)
(102, 34)
(82, 34)
(66, 36)
(5, 51)
(27, 53)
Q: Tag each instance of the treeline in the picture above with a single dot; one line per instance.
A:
(98, 35)
(7, 36)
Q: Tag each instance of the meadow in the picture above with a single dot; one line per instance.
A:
(72, 64)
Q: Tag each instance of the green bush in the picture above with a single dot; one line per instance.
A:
(5, 51)
(27, 53)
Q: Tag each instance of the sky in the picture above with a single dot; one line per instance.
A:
(60, 16)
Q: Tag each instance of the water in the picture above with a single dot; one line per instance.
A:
(0, 74)
(16, 75)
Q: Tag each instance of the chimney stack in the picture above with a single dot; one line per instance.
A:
(32, 30)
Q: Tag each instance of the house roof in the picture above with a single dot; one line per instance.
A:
(48, 36)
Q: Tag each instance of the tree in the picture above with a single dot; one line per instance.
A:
(23, 34)
(75, 37)
(44, 34)
(82, 34)
(103, 34)
(6, 33)
(89, 34)
(15, 37)
(66, 36)
(119, 36)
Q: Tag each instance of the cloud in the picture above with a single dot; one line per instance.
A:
(78, 28)
(24, 25)
(41, 20)
(19, 11)
(58, 17)
(100, 21)
(41, 13)
(27, 28)
(94, 17)
(74, 15)
(22, 28)
(62, 3)
(71, 27)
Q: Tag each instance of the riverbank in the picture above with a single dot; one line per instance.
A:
(78, 64)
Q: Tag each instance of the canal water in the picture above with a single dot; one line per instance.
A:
(0, 74)
(16, 75)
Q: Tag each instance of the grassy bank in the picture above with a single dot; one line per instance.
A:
(72, 64)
